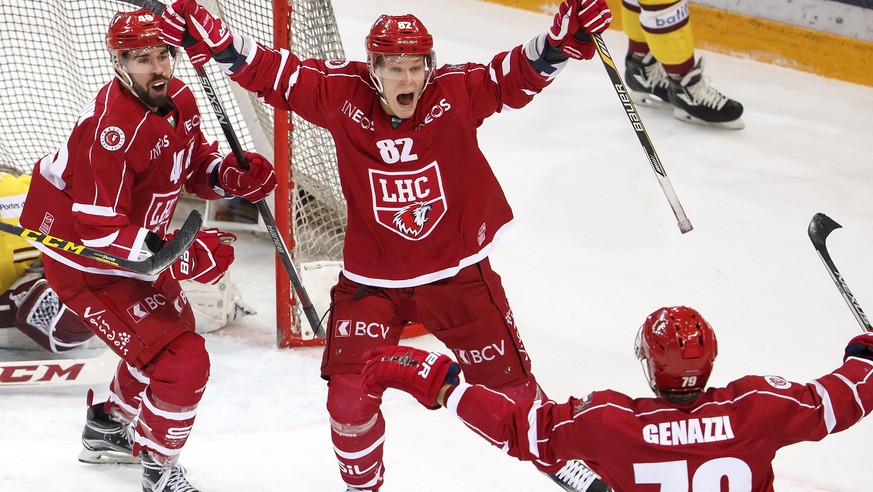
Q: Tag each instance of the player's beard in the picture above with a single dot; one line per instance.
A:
(145, 95)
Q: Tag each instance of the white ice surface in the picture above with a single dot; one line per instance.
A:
(595, 249)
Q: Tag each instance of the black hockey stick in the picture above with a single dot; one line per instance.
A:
(263, 208)
(153, 265)
(642, 135)
(819, 227)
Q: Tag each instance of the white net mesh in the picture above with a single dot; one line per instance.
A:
(54, 62)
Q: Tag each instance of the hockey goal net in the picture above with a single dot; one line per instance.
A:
(54, 61)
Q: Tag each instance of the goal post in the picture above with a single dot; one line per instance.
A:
(55, 61)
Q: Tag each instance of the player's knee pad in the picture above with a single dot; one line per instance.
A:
(350, 410)
(43, 317)
(179, 373)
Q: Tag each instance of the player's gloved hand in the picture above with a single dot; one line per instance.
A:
(208, 258)
(575, 21)
(254, 183)
(417, 372)
(860, 346)
(188, 24)
(173, 30)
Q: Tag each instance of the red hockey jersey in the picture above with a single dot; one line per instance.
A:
(422, 200)
(727, 436)
(119, 175)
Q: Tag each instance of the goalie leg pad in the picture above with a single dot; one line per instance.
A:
(44, 318)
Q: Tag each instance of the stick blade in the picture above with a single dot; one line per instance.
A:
(819, 228)
(176, 247)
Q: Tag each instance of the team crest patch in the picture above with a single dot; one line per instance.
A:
(777, 382)
(409, 203)
(112, 138)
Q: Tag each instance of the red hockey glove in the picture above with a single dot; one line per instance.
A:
(417, 372)
(253, 184)
(860, 346)
(573, 24)
(173, 30)
(187, 23)
(207, 259)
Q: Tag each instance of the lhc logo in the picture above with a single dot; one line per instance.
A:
(409, 203)
(112, 138)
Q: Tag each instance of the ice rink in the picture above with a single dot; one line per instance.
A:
(595, 248)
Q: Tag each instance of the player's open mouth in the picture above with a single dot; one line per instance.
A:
(159, 86)
(406, 99)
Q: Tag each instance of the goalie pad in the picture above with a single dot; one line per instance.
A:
(43, 317)
(215, 305)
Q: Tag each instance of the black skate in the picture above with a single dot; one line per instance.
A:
(106, 439)
(160, 478)
(695, 101)
(349, 488)
(577, 477)
(647, 81)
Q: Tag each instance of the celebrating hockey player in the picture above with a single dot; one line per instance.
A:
(424, 207)
(686, 438)
(114, 186)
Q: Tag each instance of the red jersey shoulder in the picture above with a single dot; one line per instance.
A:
(117, 116)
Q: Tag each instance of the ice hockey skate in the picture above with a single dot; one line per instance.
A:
(163, 478)
(575, 476)
(106, 440)
(695, 101)
(647, 81)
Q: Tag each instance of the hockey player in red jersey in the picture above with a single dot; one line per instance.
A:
(687, 438)
(114, 186)
(424, 207)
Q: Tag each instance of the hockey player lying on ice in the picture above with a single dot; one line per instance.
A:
(685, 439)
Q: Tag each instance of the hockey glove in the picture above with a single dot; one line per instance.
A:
(208, 258)
(417, 372)
(860, 346)
(253, 184)
(188, 24)
(575, 21)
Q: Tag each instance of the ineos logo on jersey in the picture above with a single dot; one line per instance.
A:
(112, 138)
(436, 111)
(162, 143)
(409, 203)
(358, 116)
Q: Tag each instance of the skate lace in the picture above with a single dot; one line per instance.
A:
(656, 76)
(702, 94)
(174, 481)
(576, 475)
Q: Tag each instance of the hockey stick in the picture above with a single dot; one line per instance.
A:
(642, 135)
(264, 209)
(59, 372)
(153, 265)
(819, 227)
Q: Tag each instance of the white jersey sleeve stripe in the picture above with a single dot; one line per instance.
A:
(829, 417)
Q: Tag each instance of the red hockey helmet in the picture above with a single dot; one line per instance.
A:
(677, 348)
(399, 36)
(132, 30)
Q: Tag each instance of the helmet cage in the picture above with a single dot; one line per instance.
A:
(131, 31)
(395, 37)
(677, 349)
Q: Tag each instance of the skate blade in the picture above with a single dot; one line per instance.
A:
(650, 100)
(737, 124)
(107, 458)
